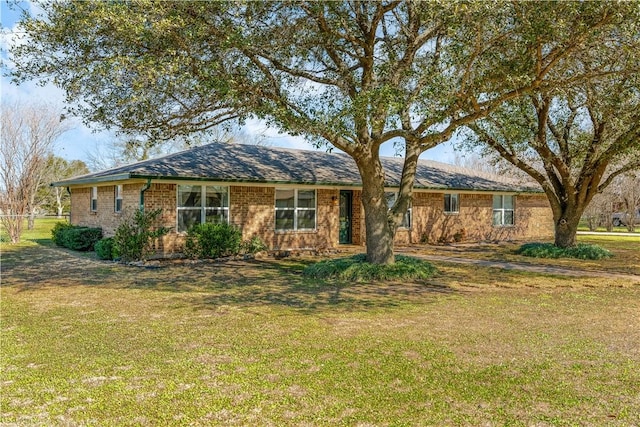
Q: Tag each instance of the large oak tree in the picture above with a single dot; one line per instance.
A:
(351, 74)
(574, 143)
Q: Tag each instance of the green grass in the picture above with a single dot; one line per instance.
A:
(549, 250)
(356, 269)
(87, 342)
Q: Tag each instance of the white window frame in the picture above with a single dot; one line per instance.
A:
(93, 203)
(202, 208)
(407, 218)
(501, 210)
(296, 210)
(117, 197)
(452, 197)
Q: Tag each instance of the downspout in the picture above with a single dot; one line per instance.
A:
(145, 188)
(70, 210)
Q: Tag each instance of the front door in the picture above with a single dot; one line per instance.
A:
(346, 199)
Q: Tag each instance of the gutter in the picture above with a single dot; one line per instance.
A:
(142, 191)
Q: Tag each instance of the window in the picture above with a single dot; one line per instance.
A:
(295, 209)
(198, 204)
(503, 210)
(391, 200)
(117, 204)
(451, 204)
(94, 199)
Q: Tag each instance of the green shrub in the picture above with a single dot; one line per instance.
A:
(57, 232)
(104, 248)
(81, 238)
(549, 250)
(356, 269)
(135, 234)
(253, 245)
(75, 237)
(212, 241)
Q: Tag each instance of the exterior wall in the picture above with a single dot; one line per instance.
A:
(473, 222)
(105, 216)
(252, 209)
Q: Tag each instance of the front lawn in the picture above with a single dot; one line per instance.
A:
(87, 342)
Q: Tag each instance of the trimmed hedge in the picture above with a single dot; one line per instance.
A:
(75, 237)
(549, 250)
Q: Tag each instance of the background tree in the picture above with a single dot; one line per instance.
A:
(349, 74)
(29, 132)
(57, 199)
(626, 189)
(574, 142)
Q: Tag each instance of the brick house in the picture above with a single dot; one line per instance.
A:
(295, 199)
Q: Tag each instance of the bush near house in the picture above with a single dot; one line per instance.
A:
(212, 241)
(75, 237)
(135, 234)
(104, 248)
(219, 240)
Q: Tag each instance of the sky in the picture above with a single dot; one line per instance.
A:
(82, 142)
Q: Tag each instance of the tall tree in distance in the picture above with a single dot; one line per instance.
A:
(574, 143)
(29, 132)
(347, 74)
(57, 199)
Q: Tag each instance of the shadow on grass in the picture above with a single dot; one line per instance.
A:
(209, 284)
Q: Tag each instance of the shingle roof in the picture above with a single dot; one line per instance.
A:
(230, 162)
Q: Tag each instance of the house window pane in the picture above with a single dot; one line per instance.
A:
(118, 198)
(284, 219)
(508, 217)
(306, 199)
(187, 218)
(216, 215)
(285, 199)
(94, 199)
(451, 203)
(216, 197)
(189, 195)
(503, 210)
(507, 202)
(306, 220)
(497, 202)
(497, 217)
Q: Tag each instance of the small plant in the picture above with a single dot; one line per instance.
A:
(549, 250)
(357, 269)
(104, 248)
(213, 241)
(253, 245)
(135, 234)
(460, 235)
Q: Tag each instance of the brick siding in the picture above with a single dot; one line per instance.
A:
(252, 209)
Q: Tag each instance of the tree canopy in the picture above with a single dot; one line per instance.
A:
(574, 142)
(349, 74)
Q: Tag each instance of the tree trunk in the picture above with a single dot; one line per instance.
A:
(565, 231)
(59, 201)
(31, 220)
(379, 233)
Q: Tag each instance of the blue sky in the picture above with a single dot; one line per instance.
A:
(82, 141)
